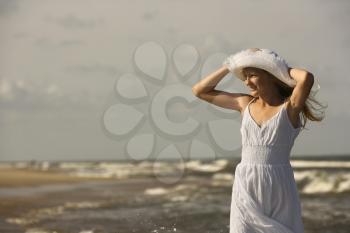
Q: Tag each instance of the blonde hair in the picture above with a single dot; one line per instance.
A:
(310, 111)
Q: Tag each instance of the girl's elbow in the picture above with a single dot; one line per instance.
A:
(195, 91)
(307, 78)
(310, 78)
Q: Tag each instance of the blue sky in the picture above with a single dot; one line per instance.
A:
(60, 62)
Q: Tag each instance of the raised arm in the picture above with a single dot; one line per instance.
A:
(304, 82)
(205, 90)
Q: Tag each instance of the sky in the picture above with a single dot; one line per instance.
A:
(109, 80)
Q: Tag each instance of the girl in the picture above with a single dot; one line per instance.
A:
(264, 193)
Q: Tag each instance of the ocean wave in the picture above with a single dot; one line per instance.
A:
(178, 193)
(319, 164)
(37, 230)
(311, 176)
(318, 181)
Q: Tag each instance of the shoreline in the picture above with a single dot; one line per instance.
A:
(24, 177)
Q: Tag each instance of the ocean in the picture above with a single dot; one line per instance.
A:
(155, 196)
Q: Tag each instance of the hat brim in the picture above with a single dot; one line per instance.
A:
(276, 69)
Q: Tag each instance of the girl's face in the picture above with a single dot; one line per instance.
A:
(257, 80)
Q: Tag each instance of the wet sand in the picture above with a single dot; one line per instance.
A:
(30, 201)
(24, 177)
(40, 201)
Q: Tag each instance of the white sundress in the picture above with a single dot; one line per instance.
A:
(265, 197)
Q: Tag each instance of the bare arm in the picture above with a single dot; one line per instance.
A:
(304, 82)
(205, 90)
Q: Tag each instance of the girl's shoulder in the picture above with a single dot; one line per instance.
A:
(245, 101)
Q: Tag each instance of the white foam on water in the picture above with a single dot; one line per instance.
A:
(222, 179)
(179, 193)
(179, 198)
(37, 230)
(223, 176)
(320, 164)
(344, 186)
(318, 181)
(185, 187)
(214, 166)
(84, 204)
(156, 191)
(113, 170)
(312, 180)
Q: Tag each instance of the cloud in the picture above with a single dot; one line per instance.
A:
(46, 42)
(66, 43)
(73, 22)
(94, 68)
(25, 95)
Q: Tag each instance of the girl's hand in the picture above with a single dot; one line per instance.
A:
(299, 75)
(228, 63)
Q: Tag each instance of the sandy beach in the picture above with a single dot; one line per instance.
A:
(54, 200)
(38, 201)
(18, 177)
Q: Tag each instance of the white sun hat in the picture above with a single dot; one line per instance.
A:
(265, 59)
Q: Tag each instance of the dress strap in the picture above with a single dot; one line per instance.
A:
(246, 107)
(251, 100)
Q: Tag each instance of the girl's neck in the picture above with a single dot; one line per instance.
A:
(272, 102)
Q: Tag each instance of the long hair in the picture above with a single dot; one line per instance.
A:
(310, 111)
